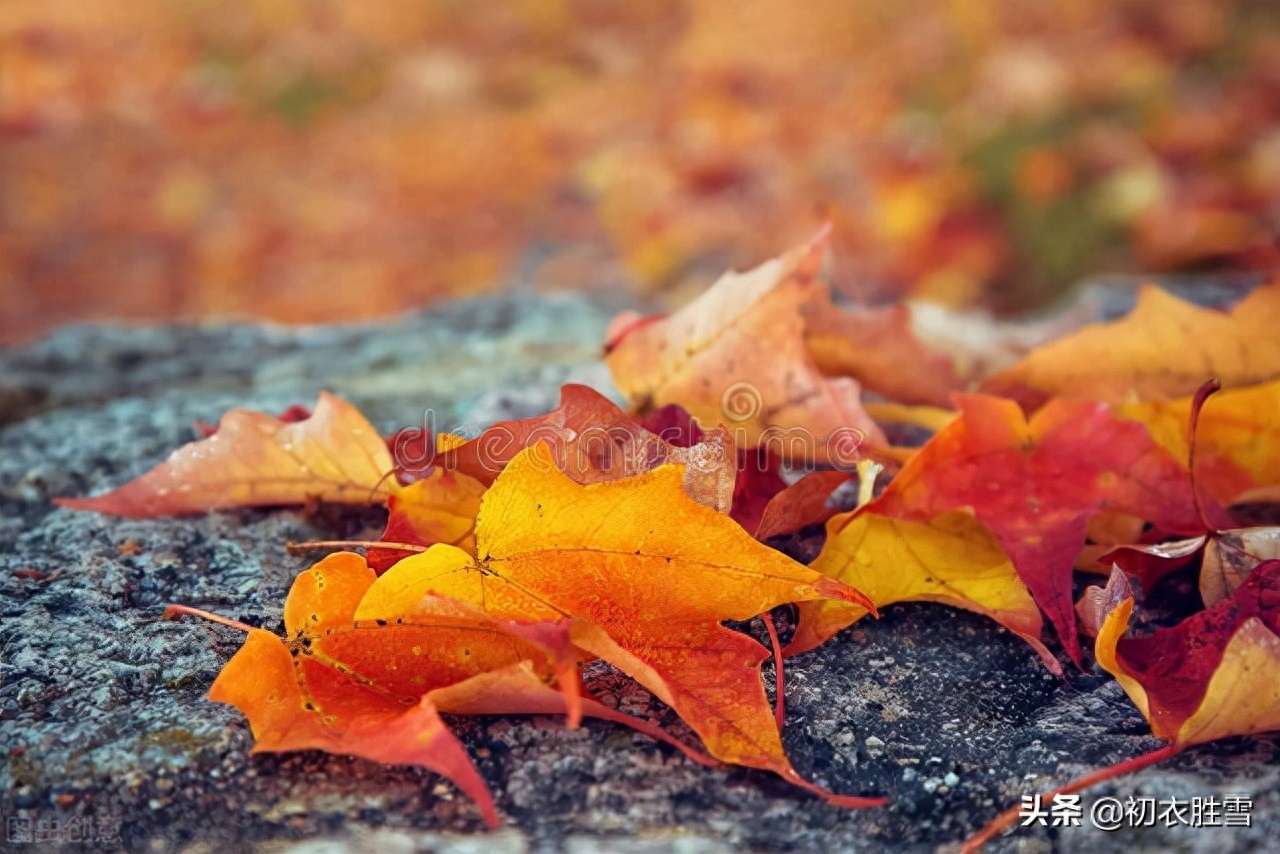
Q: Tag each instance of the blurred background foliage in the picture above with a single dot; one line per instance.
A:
(323, 160)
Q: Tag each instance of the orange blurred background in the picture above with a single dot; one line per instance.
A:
(325, 160)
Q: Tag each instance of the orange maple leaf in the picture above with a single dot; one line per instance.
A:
(647, 575)
(1164, 348)
(352, 679)
(364, 671)
(737, 356)
(592, 440)
(254, 460)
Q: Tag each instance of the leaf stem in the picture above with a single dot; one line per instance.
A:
(1197, 404)
(867, 472)
(373, 490)
(173, 612)
(320, 545)
(780, 694)
(849, 801)
(1009, 816)
(596, 709)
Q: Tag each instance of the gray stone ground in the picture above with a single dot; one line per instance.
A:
(107, 737)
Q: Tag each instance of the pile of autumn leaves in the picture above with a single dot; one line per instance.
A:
(511, 558)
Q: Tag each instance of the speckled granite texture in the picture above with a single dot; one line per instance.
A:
(108, 740)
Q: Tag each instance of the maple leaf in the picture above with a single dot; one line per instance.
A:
(1215, 674)
(736, 355)
(593, 441)
(352, 678)
(644, 592)
(1237, 436)
(951, 559)
(1165, 347)
(801, 504)
(1035, 485)
(1228, 555)
(262, 682)
(365, 670)
(440, 508)
(878, 347)
(254, 460)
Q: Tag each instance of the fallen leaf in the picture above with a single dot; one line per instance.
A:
(737, 356)
(1035, 485)
(647, 575)
(951, 559)
(1165, 348)
(1237, 439)
(518, 690)
(351, 678)
(877, 347)
(362, 723)
(253, 460)
(593, 441)
(440, 508)
(803, 503)
(1215, 674)
(1231, 556)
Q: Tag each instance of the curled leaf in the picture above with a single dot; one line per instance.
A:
(804, 503)
(254, 460)
(1230, 557)
(1215, 674)
(737, 356)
